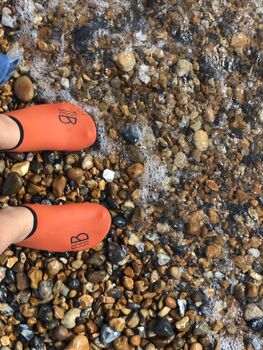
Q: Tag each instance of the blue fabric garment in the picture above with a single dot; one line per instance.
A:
(7, 66)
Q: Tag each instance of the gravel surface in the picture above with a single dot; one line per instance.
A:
(175, 88)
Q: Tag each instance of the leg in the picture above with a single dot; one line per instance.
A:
(9, 131)
(15, 225)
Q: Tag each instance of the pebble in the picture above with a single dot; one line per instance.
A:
(125, 61)
(182, 306)
(6, 310)
(45, 289)
(54, 267)
(22, 281)
(116, 253)
(61, 333)
(7, 20)
(196, 346)
(87, 162)
(75, 174)
(2, 166)
(181, 324)
(35, 277)
(108, 175)
(96, 276)
(24, 331)
(108, 335)
(201, 140)
(213, 251)
(12, 184)
(131, 135)
(135, 171)
(80, 342)
(24, 89)
(184, 67)
(239, 40)
(69, 320)
(143, 73)
(252, 311)
(21, 168)
(118, 324)
(96, 260)
(59, 185)
(163, 328)
(163, 259)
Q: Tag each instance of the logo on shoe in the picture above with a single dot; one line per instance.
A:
(67, 117)
(81, 240)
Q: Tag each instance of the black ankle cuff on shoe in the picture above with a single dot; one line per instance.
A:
(35, 221)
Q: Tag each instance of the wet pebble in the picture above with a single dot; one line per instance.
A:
(60, 333)
(87, 162)
(117, 324)
(163, 328)
(25, 331)
(12, 184)
(135, 170)
(24, 89)
(22, 281)
(96, 276)
(21, 168)
(119, 221)
(108, 335)
(59, 185)
(125, 61)
(80, 342)
(96, 260)
(252, 312)
(130, 135)
(108, 175)
(75, 174)
(54, 267)
(184, 67)
(69, 320)
(201, 140)
(45, 289)
(116, 253)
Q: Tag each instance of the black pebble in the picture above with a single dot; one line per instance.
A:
(130, 135)
(74, 283)
(256, 325)
(119, 221)
(45, 313)
(116, 253)
(24, 331)
(49, 157)
(163, 328)
(37, 343)
(3, 294)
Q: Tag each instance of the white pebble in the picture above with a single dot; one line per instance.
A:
(108, 175)
(144, 74)
(254, 252)
(163, 259)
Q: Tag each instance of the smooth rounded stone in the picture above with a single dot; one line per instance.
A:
(163, 259)
(35, 277)
(135, 154)
(116, 253)
(252, 311)
(181, 324)
(21, 168)
(45, 289)
(196, 346)
(96, 276)
(26, 332)
(201, 140)
(118, 324)
(49, 157)
(75, 174)
(6, 310)
(201, 329)
(130, 135)
(135, 170)
(45, 313)
(12, 184)
(74, 283)
(60, 333)
(163, 328)
(69, 320)
(96, 260)
(184, 67)
(3, 294)
(54, 267)
(24, 89)
(22, 281)
(7, 20)
(119, 221)
(239, 40)
(59, 185)
(195, 222)
(182, 304)
(108, 335)
(37, 343)
(108, 175)
(87, 162)
(80, 342)
(2, 166)
(125, 61)
(256, 325)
